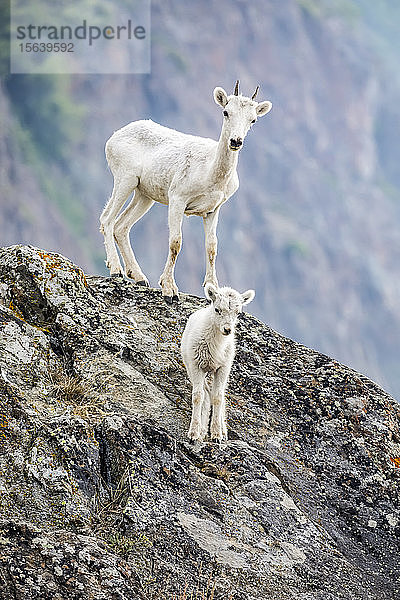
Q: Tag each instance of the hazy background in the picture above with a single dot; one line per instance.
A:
(315, 224)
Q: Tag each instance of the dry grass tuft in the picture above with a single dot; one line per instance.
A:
(205, 594)
(86, 396)
(198, 591)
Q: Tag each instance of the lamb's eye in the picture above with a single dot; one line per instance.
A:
(253, 121)
(217, 311)
(225, 113)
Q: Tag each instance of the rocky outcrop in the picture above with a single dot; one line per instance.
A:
(102, 496)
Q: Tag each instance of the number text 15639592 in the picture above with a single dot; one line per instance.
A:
(47, 47)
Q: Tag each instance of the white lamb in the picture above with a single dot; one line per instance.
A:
(208, 348)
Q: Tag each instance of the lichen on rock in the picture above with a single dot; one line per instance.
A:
(102, 496)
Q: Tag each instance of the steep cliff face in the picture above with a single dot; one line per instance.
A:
(101, 495)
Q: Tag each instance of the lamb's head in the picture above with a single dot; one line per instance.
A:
(240, 113)
(226, 306)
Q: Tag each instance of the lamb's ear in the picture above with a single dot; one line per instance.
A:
(210, 292)
(263, 108)
(248, 296)
(220, 96)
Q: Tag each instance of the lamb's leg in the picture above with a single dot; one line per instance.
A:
(195, 429)
(123, 187)
(211, 243)
(218, 430)
(223, 418)
(176, 210)
(134, 211)
(205, 413)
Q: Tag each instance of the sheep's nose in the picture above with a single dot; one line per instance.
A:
(227, 330)
(236, 143)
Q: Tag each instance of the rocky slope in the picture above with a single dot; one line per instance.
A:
(101, 495)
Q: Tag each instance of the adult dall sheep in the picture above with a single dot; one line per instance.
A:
(208, 349)
(190, 174)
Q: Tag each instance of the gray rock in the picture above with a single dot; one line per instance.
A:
(102, 496)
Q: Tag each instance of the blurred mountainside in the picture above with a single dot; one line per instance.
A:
(314, 225)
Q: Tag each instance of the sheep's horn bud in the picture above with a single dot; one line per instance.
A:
(255, 93)
(236, 92)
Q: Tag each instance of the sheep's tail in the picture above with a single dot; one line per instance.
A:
(109, 152)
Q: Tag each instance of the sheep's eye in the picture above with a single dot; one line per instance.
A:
(253, 121)
(225, 113)
(217, 311)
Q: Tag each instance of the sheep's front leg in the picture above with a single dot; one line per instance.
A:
(218, 428)
(176, 210)
(211, 243)
(195, 430)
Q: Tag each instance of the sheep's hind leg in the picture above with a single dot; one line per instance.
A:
(137, 208)
(123, 187)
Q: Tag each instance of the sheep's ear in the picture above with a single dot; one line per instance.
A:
(210, 292)
(220, 96)
(248, 296)
(263, 108)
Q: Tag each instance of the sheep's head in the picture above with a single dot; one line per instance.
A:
(226, 304)
(240, 113)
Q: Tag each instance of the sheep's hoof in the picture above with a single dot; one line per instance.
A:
(175, 298)
(115, 275)
(143, 282)
(218, 440)
(168, 299)
(213, 282)
(195, 441)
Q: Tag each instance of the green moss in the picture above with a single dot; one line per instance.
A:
(123, 545)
